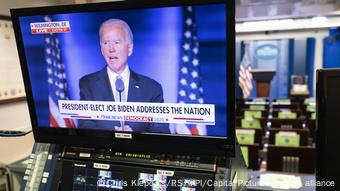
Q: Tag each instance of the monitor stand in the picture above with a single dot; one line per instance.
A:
(55, 167)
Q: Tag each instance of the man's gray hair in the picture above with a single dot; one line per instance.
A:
(120, 22)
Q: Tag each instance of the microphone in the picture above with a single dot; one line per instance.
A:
(120, 87)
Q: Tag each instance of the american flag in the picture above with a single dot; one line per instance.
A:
(189, 87)
(57, 85)
(245, 78)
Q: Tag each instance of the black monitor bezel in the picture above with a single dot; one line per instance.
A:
(327, 131)
(140, 142)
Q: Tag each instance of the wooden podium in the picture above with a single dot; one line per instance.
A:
(263, 78)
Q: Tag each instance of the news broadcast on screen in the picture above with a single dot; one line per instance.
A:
(153, 71)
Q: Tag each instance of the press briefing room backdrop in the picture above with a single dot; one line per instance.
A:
(279, 47)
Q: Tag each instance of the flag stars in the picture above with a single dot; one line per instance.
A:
(189, 81)
(184, 70)
(61, 86)
(50, 81)
(192, 96)
(48, 60)
(182, 93)
(194, 74)
(48, 50)
(47, 40)
(193, 85)
(186, 46)
(187, 34)
(185, 58)
(188, 21)
(195, 50)
(195, 62)
(47, 19)
(201, 90)
(183, 81)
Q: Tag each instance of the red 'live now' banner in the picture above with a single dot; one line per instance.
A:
(50, 27)
(50, 30)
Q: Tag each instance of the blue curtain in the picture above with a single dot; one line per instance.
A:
(291, 60)
(273, 54)
(331, 45)
(310, 64)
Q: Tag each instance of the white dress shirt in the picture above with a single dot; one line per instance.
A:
(126, 79)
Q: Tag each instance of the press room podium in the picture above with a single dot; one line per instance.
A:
(263, 78)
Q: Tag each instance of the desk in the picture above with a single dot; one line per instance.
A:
(254, 183)
(13, 149)
(299, 96)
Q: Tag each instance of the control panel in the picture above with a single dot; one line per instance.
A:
(41, 167)
(205, 163)
(54, 168)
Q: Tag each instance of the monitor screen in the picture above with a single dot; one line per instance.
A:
(128, 70)
(79, 176)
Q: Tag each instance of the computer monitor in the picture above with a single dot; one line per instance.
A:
(148, 76)
(327, 129)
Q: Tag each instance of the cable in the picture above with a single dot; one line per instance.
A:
(13, 133)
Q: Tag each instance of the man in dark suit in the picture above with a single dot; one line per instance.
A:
(117, 82)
